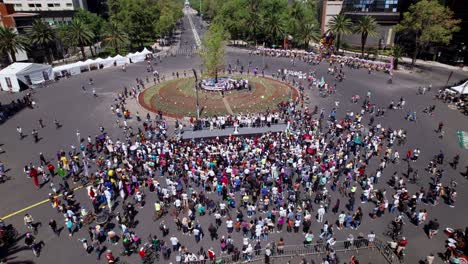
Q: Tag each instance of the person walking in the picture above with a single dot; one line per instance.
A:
(69, 224)
(29, 223)
(41, 123)
(20, 132)
(35, 134)
(42, 159)
(34, 174)
(57, 124)
(320, 214)
(53, 227)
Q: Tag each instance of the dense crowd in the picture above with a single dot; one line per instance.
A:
(243, 195)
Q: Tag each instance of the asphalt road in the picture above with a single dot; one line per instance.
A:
(79, 110)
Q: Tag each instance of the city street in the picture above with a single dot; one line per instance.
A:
(79, 110)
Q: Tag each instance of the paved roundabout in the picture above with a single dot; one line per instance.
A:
(177, 97)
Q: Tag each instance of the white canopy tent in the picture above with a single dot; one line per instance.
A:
(20, 75)
(108, 62)
(138, 56)
(461, 89)
(119, 60)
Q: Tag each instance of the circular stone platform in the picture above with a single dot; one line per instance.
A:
(177, 98)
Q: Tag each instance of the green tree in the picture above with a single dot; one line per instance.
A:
(340, 25)
(94, 22)
(366, 26)
(165, 23)
(397, 53)
(253, 25)
(213, 50)
(80, 35)
(11, 43)
(275, 27)
(429, 23)
(307, 32)
(42, 35)
(115, 36)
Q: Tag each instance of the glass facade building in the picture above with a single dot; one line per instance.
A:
(371, 6)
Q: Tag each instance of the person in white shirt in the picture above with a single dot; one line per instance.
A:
(320, 214)
(175, 243)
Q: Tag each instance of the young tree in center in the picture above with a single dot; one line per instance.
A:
(213, 49)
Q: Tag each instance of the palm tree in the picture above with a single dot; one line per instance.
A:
(309, 31)
(275, 26)
(43, 35)
(114, 36)
(10, 43)
(340, 25)
(253, 26)
(366, 26)
(80, 35)
(397, 53)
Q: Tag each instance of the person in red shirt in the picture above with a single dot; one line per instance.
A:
(409, 154)
(401, 245)
(51, 169)
(110, 258)
(211, 254)
(33, 174)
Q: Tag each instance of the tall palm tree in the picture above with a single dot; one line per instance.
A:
(274, 26)
(43, 35)
(309, 31)
(397, 53)
(340, 25)
(80, 35)
(366, 26)
(10, 43)
(254, 25)
(114, 36)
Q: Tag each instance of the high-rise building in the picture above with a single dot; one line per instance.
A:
(55, 12)
(385, 12)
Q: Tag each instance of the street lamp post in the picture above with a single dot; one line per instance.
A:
(196, 93)
(201, 14)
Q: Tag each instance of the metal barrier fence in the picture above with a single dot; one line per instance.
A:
(280, 255)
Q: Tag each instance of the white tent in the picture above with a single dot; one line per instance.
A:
(461, 89)
(20, 75)
(108, 62)
(136, 57)
(146, 51)
(119, 60)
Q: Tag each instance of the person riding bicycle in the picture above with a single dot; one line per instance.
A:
(28, 221)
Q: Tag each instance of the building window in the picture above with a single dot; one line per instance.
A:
(31, 5)
(69, 4)
(38, 5)
(57, 4)
(50, 5)
(18, 5)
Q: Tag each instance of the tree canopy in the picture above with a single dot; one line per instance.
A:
(213, 50)
(10, 43)
(268, 21)
(428, 22)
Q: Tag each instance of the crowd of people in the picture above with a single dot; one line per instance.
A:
(244, 195)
